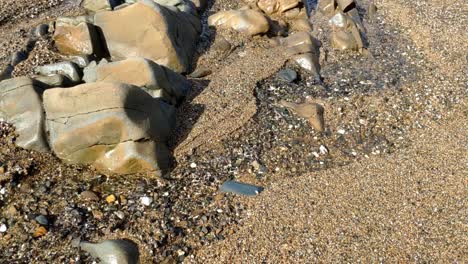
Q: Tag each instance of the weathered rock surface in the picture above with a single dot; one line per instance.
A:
(304, 50)
(313, 112)
(76, 38)
(246, 21)
(118, 251)
(99, 5)
(21, 105)
(346, 32)
(276, 6)
(66, 68)
(124, 133)
(157, 80)
(152, 31)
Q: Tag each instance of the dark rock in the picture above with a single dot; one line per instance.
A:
(287, 75)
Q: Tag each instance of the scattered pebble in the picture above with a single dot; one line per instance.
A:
(240, 188)
(90, 196)
(111, 198)
(39, 232)
(3, 228)
(145, 200)
(42, 220)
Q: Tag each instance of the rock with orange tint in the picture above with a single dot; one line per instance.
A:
(118, 128)
(246, 21)
(146, 29)
(76, 37)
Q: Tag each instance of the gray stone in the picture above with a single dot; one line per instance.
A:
(42, 220)
(21, 105)
(41, 30)
(118, 128)
(117, 251)
(240, 188)
(18, 57)
(287, 75)
(66, 68)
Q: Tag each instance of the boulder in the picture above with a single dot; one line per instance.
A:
(76, 37)
(276, 6)
(152, 31)
(100, 5)
(66, 68)
(21, 105)
(246, 21)
(157, 80)
(125, 133)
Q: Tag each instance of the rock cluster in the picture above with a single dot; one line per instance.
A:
(122, 117)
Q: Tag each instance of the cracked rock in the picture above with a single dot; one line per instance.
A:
(125, 133)
(164, 35)
(20, 104)
(157, 80)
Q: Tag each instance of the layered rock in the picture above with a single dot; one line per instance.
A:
(118, 128)
(157, 80)
(21, 105)
(76, 37)
(152, 31)
(246, 21)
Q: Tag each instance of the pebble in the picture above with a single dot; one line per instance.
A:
(323, 150)
(111, 198)
(200, 72)
(112, 251)
(90, 196)
(120, 214)
(40, 231)
(42, 220)
(240, 188)
(193, 165)
(41, 30)
(3, 228)
(287, 75)
(145, 200)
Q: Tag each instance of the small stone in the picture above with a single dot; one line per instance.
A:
(66, 68)
(193, 165)
(323, 150)
(42, 220)
(40, 231)
(200, 72)
(287, 75)
(3, 228)
(11, 211)
(111, 198)
(89, 196)
(41, 30)
(240, 188)
(145, 200)
(120, 214)
(97, 214)
(2, 169)
(313, 112)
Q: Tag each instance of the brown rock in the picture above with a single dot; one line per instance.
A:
(111, 198)
(165, 36)
(125, 133)
(100, 5)
(157, 80)
(327, 7)
(276, 6)
(247, 21)
(89, 195)
(21, 104)
(39, 232)
(313, 112)
(76, 38)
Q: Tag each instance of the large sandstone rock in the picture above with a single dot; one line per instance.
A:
(76, 37)
(277, 6)
(149, 30)
(157, 80)
(21, 105)
(99, 5)
(119, 128)
(246, 21)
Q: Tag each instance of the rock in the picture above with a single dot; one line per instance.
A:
(247, 21)
(345, 5)
(76, 38)
(146, 201)
(21, 105)
(326, 7)
(81, 61)
(42, 220)
(200, 4)
(157, 80)
(100, 5)
(113, 251)
(18, 57)
(200, 72)
(182, 5)
(313, 112)
(89, 196)
(346, 34)
(221, 44)
(11, 211)
(371, 10)
(276, 6)
(300, 42)
(308, 62)
(41, 30)
(3, 228)
(110, 199)
(66, 68)
(125, 133)
(152, 31)
(287, 75)
(301, 24)
(52, 81)
(39, 232)
(240, 188)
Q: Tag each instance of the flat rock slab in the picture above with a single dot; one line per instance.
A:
(158, 80)
(124, 133)
(21, 105)
(240, 188)
(152, 31)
